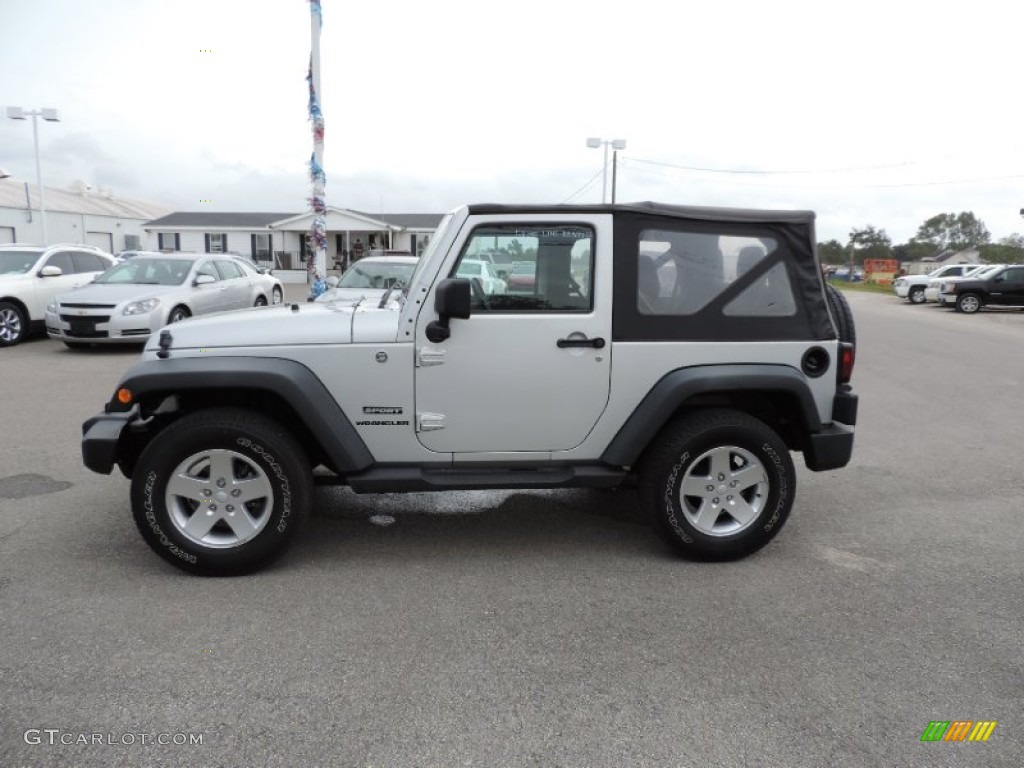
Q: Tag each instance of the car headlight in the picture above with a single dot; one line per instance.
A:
(52, 306)
(141, 307)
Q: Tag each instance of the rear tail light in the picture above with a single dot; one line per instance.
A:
(847, 357)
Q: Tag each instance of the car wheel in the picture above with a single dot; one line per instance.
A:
(278, 297)
(916, 295)
(261, 301)
(842, 313)
(13, 324)
(719, 484)
(178, 314)
(221, 492)
(969, 303)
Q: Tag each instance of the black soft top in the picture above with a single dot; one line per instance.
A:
(692, 212)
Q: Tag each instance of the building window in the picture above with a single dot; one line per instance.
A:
(169, 241)
(132, 243)
(261, 247)
(216, 243)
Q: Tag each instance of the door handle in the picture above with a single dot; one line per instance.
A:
(597, 343)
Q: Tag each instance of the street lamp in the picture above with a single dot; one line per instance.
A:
(53, 116)
(617, 144)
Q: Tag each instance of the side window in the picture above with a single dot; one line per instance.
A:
(681, 273)
(229, 270)
(88, 262)
(61, 259)
(551, 267)
(208, 269)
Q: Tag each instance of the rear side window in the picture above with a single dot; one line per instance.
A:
(681, 273)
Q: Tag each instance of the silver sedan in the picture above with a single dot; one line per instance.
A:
(136, 298)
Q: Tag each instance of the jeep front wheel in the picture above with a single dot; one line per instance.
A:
(719, 484)
(220, 492)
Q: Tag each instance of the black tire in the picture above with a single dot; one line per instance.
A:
(842, 314)
(178, 314)
(13, 324)
(916, 295)
(738, 505)
(278, 296)
(969, 303)
(261, 301)
(269, 466)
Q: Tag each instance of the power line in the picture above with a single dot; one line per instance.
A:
(946, 182)
(579, 191)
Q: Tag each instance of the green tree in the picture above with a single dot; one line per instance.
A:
(1009, 250)
(870, 243)
(831, 252)
(953, 232)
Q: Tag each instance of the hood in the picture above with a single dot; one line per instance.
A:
(105, 293)
(284, 325)
(351, 295)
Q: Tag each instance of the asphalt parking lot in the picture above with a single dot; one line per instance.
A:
(541, 629)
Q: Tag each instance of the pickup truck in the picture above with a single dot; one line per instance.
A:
(913, 287)
(689, 351)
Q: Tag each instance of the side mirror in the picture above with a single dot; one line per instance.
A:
(51, 271)
(204, 280)
(451, 299)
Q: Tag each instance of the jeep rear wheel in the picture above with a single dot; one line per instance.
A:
(719, 484)
(220, 492)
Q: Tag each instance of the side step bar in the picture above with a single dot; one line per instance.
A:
(398, 479)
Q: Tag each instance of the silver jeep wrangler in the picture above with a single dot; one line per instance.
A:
(688, 350)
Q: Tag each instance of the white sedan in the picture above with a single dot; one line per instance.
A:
(131, 301)
(483, 271)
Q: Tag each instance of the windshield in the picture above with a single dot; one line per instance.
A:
(143, 271)
(470, 269)
(17, 262)
(428, 252)
(375, 274)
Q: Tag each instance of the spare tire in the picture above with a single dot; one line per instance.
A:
(842, 315)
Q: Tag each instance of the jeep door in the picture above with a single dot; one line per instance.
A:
(527, 371)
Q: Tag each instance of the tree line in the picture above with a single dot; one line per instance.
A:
(945, 232)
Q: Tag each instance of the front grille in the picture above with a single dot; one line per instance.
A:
(85, 318)
(86, 334)
(87, 306)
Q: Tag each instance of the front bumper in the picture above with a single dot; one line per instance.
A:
(901, 289)
(95, 328)
(100, 437)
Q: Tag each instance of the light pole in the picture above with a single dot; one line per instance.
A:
(617, 144)
(53, 116)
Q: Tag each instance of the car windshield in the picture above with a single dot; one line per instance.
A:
(17, 262)
(143, 271)
(470, 269)
(375, 274)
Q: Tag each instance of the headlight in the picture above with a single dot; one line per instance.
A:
(141, 307)
(52, 306)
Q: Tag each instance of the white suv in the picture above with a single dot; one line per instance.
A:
(31, 276)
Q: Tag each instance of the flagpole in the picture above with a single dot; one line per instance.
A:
(316, 266)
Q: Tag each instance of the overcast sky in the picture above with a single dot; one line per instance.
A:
(881, 113)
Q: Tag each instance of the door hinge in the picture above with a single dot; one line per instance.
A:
(427, 422)
(429, 356)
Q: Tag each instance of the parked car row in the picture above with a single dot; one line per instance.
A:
(966, 287)
(82, 295)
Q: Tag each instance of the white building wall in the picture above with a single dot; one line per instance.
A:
(63, 227)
